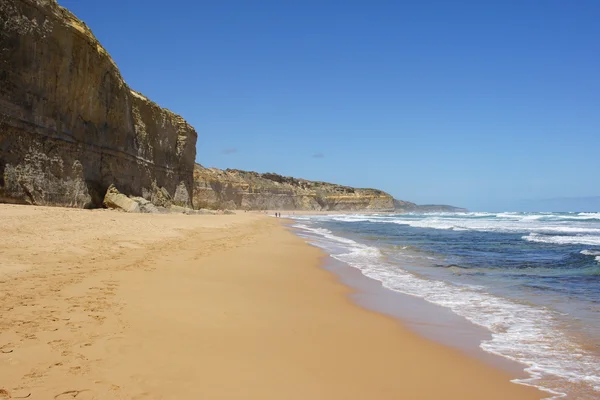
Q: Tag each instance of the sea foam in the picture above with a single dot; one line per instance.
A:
(583, 228)
(520, 332)
(586, 240)
(596, 254)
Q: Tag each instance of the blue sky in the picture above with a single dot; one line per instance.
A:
(481, 104)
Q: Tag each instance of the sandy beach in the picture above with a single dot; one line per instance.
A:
(106, 305)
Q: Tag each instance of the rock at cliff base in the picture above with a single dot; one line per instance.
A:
(178, 209)
(161, 197)
(118, 201)
(146, 206)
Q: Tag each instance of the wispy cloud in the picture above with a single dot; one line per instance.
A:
(318, 155)
(229, 150)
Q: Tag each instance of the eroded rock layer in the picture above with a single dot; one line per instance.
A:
(69, 124)
(242, 190)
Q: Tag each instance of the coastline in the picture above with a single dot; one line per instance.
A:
(427, 320)
(100, 304)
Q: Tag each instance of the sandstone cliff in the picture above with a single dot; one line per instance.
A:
(70, 126)
(242, 190)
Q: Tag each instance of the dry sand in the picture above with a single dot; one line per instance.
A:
(104, 305)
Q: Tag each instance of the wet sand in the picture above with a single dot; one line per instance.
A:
(105, 305)
(428, 320)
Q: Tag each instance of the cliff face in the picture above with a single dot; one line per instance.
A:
(70, 126)
(242, 190)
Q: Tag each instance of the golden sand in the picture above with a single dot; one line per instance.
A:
(105, 305)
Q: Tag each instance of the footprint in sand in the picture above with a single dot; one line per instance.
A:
(84, 394)
(6, 349)
(4, 394)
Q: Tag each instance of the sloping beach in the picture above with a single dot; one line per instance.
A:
(106, 305)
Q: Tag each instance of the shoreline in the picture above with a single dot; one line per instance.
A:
(470, 278)
(427, 320)
(431, 321)
(100, 304)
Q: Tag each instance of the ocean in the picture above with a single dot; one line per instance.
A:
(531, 279)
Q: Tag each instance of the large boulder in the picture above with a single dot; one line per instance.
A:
(146, 206)
(118, 201)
